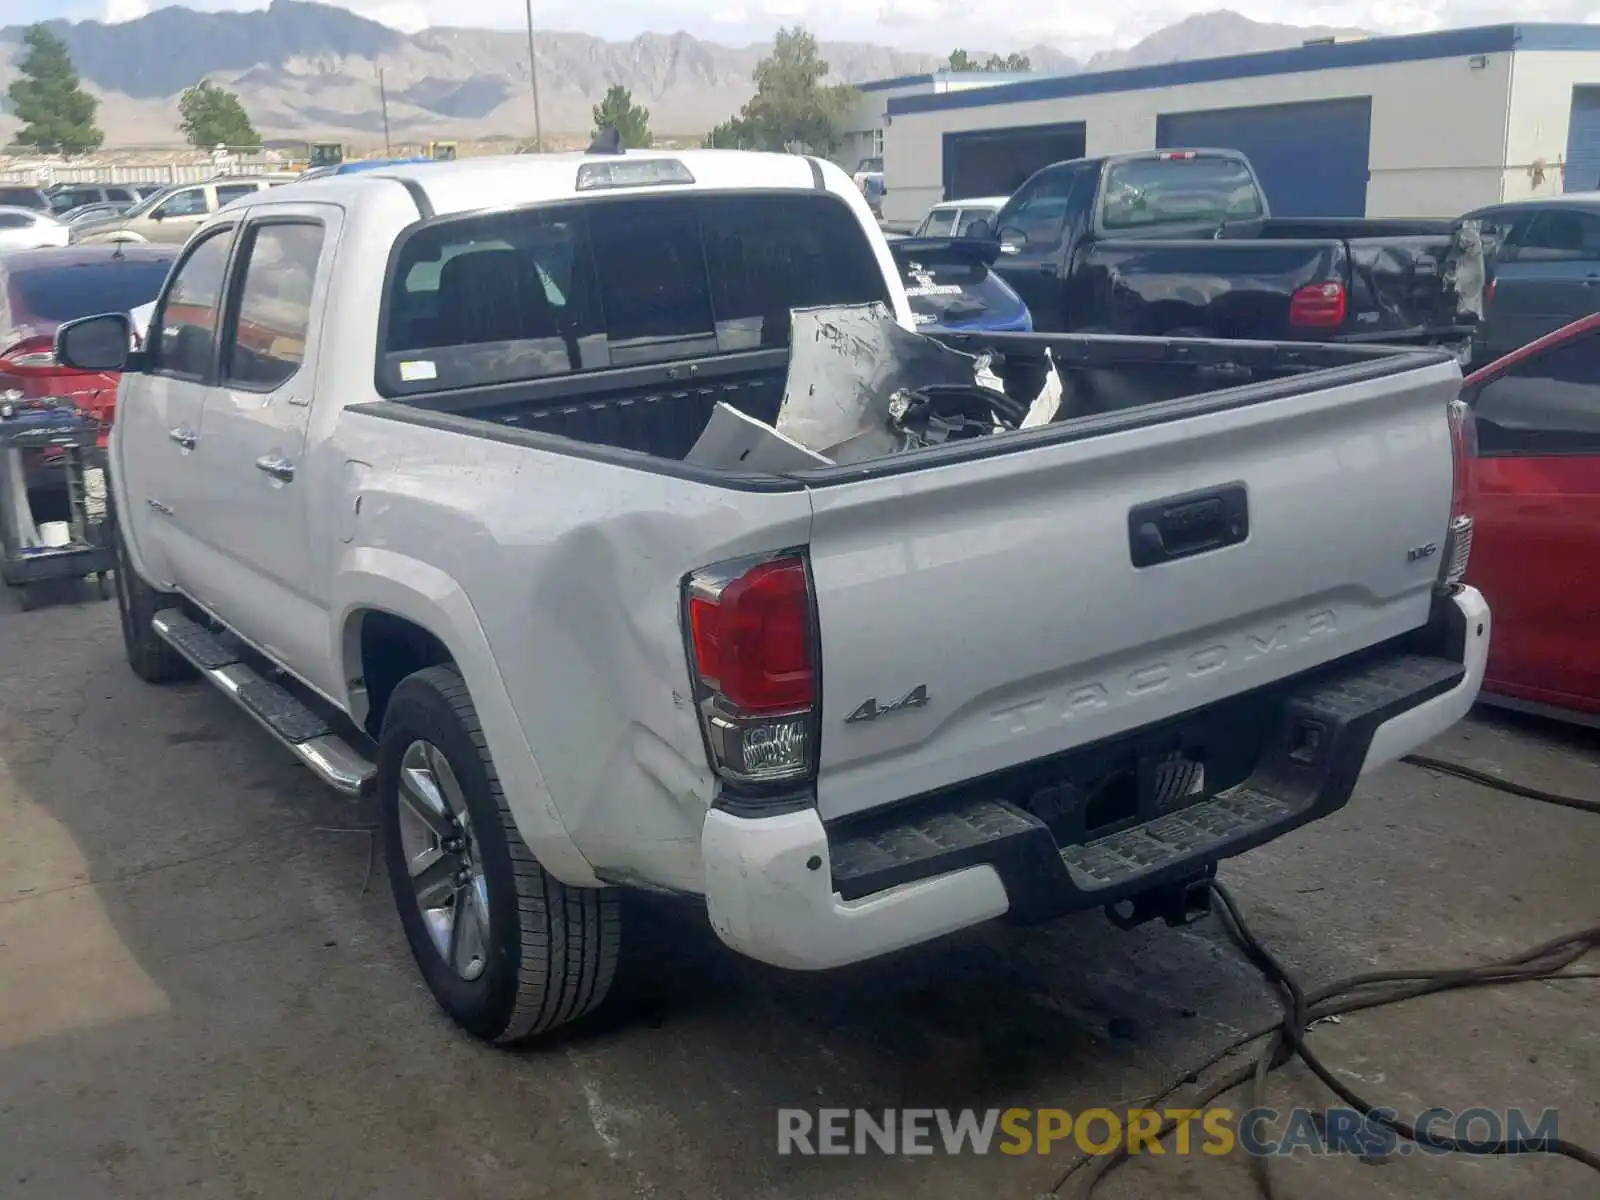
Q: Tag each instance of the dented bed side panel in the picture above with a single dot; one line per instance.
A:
(573, 568)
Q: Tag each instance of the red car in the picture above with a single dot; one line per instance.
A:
(1536, 536)
(41, 289)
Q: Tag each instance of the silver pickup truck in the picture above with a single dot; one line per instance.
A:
(411, 467)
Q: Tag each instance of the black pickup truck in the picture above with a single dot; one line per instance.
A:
(1180, 242)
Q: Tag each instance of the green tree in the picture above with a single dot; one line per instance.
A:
(212, 116)
(792, 106)
(617, 110)
(57, 115)
(962, 62)
(733, 134)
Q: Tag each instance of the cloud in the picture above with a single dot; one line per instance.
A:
(408, 18)
(118, 11)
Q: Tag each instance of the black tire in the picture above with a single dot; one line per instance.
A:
(552, 950)
(152, 659)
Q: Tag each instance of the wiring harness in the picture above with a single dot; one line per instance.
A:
(1286, 1039)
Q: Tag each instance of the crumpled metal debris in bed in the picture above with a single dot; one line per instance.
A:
(846, 362)
(855, 373)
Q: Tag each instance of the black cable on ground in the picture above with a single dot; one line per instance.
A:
(1445, 767)
(1286, 1040)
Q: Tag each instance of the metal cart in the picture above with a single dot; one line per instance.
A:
(54, 459)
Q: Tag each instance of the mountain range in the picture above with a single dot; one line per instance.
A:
(311, 71)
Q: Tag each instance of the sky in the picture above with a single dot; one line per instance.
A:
(937, 25)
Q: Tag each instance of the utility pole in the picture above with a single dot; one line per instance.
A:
(383, 99)
(533, 76)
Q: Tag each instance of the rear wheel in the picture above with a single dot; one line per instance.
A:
(508, 951)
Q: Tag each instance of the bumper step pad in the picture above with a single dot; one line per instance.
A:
(1309, 771)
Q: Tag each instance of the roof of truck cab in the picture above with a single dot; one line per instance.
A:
(500, 181)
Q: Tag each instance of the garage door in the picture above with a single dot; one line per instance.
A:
(995, 162)
(1582, 173)
(1311, 158)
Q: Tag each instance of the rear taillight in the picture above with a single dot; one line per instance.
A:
(33, 356)
(1318, 306)
(1458, 537)
(1488, 294)
(752, 640)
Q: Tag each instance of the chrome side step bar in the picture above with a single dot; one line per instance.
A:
(309, 737)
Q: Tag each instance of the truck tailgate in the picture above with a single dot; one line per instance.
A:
(979, 614)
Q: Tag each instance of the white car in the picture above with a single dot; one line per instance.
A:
(955, 218)
(25, 229)
(414, 468)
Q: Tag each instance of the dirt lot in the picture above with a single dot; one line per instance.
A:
(203, 993)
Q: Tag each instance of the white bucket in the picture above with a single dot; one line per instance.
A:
(53, 535)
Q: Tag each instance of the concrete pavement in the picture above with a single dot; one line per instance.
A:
(204, 992)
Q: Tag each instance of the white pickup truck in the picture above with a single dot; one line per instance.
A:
(401, 470)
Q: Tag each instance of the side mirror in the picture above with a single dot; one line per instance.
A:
(101, 343)
(1012, 239)
(980, 230)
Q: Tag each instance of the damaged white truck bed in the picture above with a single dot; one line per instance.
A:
(462, 537)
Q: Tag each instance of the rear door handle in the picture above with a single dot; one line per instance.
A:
(183, 437)
(277, 466)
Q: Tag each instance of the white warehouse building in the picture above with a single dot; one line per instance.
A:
(864, 126)
(1425, 125)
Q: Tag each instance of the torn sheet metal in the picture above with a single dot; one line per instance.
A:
(1048, 402)
(736, 442)
(846, 362)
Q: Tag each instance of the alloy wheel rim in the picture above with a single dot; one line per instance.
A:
(442, 860)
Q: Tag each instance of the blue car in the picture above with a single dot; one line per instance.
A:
(952, 289)
(356, 166)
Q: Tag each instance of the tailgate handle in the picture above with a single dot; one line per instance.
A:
(1194, 523)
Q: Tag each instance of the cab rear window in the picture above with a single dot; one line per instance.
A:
(554, 290)
(1183, 189)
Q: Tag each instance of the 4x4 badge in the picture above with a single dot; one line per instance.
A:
(871, 710)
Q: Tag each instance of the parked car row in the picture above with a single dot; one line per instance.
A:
(1179, 242)
(1538, 470)
(61, 199)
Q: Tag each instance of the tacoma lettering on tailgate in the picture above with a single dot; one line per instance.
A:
(1161, 675)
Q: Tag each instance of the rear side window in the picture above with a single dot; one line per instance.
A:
(15, 221)
(65, 293)
(1557, 235)
(267, 341)
(549, 291)
(1547, 404)
(227, 193)
(940, 223)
